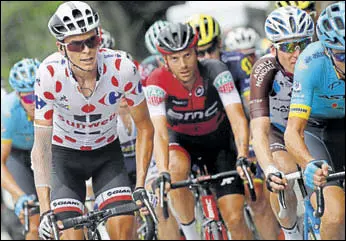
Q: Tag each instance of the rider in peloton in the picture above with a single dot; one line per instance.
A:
(318, 106)
(17, 138)
(239, 58)
(192, 104)
(78, 91)
(291, 30)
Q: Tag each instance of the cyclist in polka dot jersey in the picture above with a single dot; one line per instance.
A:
(78, 91)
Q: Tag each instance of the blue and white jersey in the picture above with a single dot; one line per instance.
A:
(16, 128)
(318, 92)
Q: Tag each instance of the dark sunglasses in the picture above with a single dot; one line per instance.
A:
(28, 99)
(210, 50)
(290, 47)
(78, 46)
(340, 57)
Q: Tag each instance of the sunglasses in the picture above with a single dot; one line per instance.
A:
(340, 57)
(210, 50)
(290, 47)
(78, 46)
(28, 99)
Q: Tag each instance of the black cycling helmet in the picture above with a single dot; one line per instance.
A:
(176, 37)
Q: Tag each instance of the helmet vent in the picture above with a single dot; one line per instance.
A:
(66, 19)
(326, 25)
(76, 13)
(339, 23)
(335, 8)
(90, 20)
(293, 25)
(81, 23)
(71, 26)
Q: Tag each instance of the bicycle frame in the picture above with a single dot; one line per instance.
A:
(311, 223)
(212, 224)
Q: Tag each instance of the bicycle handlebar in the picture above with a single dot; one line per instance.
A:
(80, 221)
(203, 179)
(26, 207)
(319, 193)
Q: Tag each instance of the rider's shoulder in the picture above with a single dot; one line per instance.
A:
(312, 55)
(159, 76)
(54, 59)
(265, 64)
(9, 103)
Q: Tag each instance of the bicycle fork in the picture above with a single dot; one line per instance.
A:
(213, 227)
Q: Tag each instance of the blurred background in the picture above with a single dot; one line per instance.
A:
(24, 31)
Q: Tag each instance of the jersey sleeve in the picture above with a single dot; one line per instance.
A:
(156, 95)
(6, 125)
(261, 81)
(132, 86)
(225, 86)
(305, 81)
(44, 92)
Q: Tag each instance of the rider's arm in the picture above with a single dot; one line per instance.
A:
(41, 155)
(144, 141)
(135, 98)
(156, 97)
(240, 127)
(261, 81)
(305, 81)
(231, 100)
(7, 130)
(294, 140)
(7, 180)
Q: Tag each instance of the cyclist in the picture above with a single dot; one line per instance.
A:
(241, 42)
(186, 100)
(318, 105)
(78, 91)
(166, 228)
(17, 137)
(291, 30)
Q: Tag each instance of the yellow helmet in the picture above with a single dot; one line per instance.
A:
(303, 5)
(207, 27)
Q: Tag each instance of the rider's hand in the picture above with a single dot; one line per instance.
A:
(45, 229)
(273, 180)
(19, 206)
(315, 173)
(138, 195)
(249, 167)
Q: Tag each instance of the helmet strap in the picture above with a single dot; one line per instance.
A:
(339, 72)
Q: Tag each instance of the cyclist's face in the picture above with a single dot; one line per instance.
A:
(28, 102)
(183, 64)
(287, 60)
(86, 58)
(209, 51)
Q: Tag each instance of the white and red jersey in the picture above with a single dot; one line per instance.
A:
(196, 112)
(79, 122)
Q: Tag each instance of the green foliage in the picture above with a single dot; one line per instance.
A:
(24, 31)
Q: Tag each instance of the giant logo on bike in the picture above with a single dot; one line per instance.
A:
(155, 95)
(224, 82)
